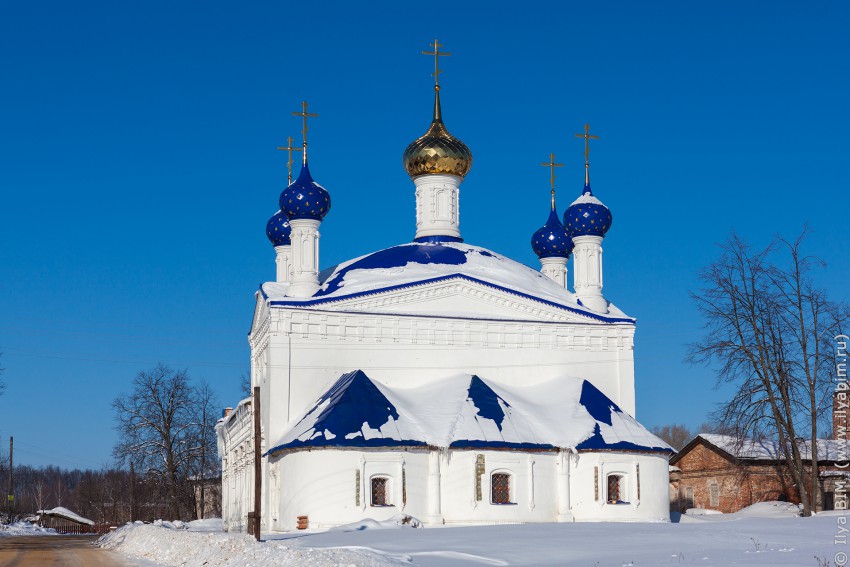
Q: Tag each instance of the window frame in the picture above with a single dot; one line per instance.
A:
(622, 488)
(511, 490)
(713, 494)
(387, 499)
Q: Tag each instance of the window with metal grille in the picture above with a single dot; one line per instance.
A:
(500, 488)
(379, 491)
(615, 489)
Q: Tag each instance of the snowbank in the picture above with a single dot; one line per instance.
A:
(776, 538)
(757, 510)
(169, 544)
(24, 529)
(394, 523)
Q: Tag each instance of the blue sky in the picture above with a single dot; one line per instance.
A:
(138, 168)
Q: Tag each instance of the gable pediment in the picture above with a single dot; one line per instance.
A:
(458, 297)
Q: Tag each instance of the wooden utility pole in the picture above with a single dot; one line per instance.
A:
(258, 464)
(10, 496)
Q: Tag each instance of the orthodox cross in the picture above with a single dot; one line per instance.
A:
(304, 114)
(587, 138)
(289, 148)
(436, 53)
(552, 165)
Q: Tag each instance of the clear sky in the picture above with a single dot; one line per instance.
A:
(138, 168)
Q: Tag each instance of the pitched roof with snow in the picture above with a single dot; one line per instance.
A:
(770, 450)
(415, 264)
(468, 412)
(67, 514)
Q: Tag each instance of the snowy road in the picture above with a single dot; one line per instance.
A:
(59, 551)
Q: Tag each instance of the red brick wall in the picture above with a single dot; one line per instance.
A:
(739, 486)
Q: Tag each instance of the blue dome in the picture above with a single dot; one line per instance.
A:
(278, 230)
(587, 216)
(304, 198)
(552, 240)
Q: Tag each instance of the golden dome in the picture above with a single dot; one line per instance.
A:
(437, 151)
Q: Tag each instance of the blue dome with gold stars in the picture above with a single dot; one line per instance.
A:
(304, 198)
(587, 216)
(278, 230)
(552, 240)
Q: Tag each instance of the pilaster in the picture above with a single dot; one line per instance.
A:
(284, 262)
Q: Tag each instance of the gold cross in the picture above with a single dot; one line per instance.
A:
(304, 114)
(552, 165)
(289, 148)
(436, 53)
(587, 138)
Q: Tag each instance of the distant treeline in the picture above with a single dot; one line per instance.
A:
(107, 496)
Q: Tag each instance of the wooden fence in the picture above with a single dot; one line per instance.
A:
(82, 529)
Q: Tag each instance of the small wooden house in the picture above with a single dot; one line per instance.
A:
(65, 521)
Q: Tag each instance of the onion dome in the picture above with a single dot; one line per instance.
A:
(552, 240)
(304, 198)
(587, 216)
(437, 152)
(278, 230)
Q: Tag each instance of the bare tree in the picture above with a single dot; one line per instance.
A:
(675, 435)
(158, 430)
(206, 466)
(245, 385)
(2, 383)
(766, 326)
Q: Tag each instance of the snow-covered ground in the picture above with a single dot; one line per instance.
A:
(24, 529)
(767, 534)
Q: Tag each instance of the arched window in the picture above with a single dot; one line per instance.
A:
(381, 491)
(500, 488)
(616, 489)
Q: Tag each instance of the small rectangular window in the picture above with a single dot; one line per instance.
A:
(714, 494)
(500, 488)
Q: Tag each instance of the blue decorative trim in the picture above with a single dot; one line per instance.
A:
(474, 444)
(438, 238)
(324, 300)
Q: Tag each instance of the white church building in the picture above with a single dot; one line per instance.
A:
(439, 379)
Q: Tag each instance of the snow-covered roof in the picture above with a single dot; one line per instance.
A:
(467, 411)
(413, 264)
(67, 514)
(769, 450)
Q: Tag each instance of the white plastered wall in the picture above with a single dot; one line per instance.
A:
(323, 485)
(644, 485)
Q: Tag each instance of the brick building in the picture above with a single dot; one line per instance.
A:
(721, 473)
